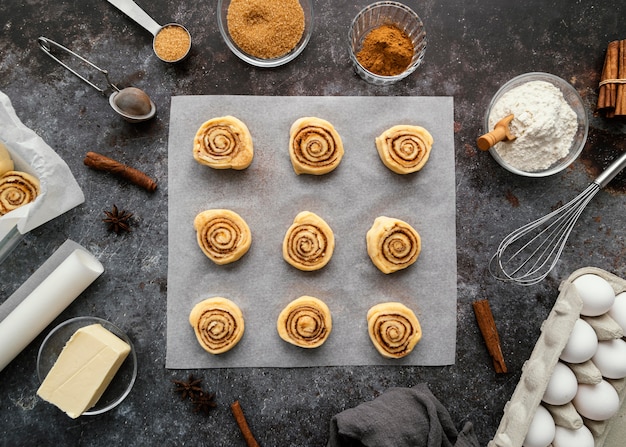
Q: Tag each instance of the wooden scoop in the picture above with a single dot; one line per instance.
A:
(500, 132)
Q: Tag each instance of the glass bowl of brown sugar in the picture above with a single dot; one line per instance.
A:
(265, 33)
(387, 42)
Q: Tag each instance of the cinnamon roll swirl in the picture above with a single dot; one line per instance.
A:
(309, 242)
(17, 189)
(315, 147)
(218, 324)
(404, 149)
(223, 235)
(223, 143)
(392, 244)
(394, 329)
(305, 322)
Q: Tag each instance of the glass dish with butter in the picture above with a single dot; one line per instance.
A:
(89, 355)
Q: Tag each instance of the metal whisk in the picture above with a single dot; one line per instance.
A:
(528, 254)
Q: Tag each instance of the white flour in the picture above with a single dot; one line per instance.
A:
(544, 126)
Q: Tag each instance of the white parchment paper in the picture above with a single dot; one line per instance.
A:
(30, 153)
(268, 195)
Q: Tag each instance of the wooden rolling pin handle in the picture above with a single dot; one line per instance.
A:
(501, 132)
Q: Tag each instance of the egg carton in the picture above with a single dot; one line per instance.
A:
(537, 370)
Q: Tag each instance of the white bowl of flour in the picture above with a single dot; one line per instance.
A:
(550, 124)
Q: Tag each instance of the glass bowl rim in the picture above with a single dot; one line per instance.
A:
(273, 62)
(87, 320)
(582, 119)
(376, 5)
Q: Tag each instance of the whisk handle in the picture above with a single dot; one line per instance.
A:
(609, 173)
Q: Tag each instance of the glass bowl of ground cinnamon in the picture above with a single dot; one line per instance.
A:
(265, 33)
(387, 42)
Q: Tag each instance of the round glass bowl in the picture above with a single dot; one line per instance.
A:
(123, 380)
(222, 20)
(386, 13)
(573, 99)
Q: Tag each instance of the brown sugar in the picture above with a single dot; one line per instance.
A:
(266, 28)
(172, 43)
(386, 51)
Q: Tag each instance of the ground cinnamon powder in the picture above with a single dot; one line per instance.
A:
(265, 28)
(386, 51)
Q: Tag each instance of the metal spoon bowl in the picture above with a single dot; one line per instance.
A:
(133, 104)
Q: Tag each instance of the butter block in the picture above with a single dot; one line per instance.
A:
(84, 369)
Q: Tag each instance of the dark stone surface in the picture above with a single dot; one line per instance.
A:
(474, 47)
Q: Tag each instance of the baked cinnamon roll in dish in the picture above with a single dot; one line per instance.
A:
(392, 244)
(305, 322)
(404, 149)
(394, 329)
(223, 143)
(217, 323)
(315, 147)
(17, 189)
(223, 235)
(309, 242)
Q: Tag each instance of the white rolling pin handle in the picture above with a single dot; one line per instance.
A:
(46, 302)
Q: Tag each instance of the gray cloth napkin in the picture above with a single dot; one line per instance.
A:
(400, 417)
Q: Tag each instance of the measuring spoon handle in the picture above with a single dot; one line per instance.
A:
(132, 10)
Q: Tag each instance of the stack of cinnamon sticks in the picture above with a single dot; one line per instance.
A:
(612, 94)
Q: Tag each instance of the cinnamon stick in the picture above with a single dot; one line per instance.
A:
(612, 90)
(243, 425)
(606, 95)
(103, 163)
(488, 329)
(620, 100)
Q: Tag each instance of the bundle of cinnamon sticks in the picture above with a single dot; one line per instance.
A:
(612, 94)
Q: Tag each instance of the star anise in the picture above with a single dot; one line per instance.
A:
(118, 220)
(190, 389)
(203, 402)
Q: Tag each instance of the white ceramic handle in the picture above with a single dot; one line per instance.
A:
(132, 10)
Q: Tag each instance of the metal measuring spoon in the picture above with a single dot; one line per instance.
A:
(171, 42)
(131, 103)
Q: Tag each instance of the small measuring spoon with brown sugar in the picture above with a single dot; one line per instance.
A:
(171, 42)
(500, 132)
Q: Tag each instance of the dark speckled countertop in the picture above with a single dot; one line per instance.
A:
(474, 47)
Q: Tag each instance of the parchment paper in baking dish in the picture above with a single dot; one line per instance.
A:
(268, 195)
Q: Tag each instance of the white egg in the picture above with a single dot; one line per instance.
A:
(610, 358)
(561, 387)
(541, 429)
(564, 437)
(596, 402)
(596, 294)
(581, 344)
(618, 310)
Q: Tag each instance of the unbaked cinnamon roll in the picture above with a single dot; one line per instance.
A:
(218, 324)
(392, 244)
(315, 147)
(223, 235)
(404, 149)
(17, 189)
(309, 242)
(223, 143)
(394, 329)
(305, 322)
